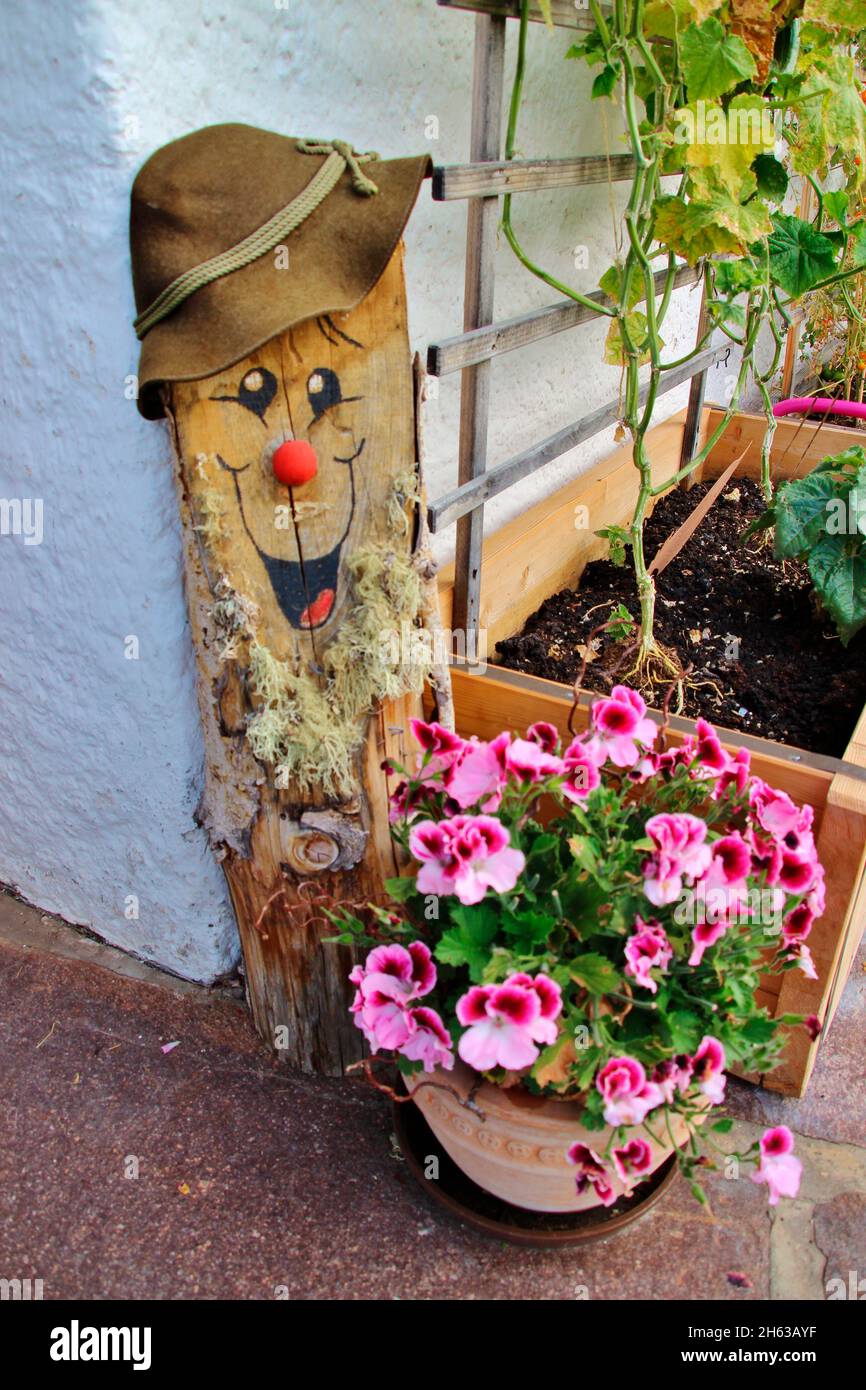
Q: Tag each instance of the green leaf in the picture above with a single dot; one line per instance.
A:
(527, 929)
(712, 61)
(638, 331)
(400, 889)
(858, 243)
(836, 206)
(758, 1029)
(710, 222)
(736, 277)
(839, 574)
(799, 256)
(801, 513)
(723, 1126)
(595, 973)
(664, 18)
(772, 177)
(611, 283)
(469, 941)
(605, 81)
(686, 1029)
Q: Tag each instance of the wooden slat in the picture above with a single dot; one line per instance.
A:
(563, 12)
(481, 224)
(465, 349)
(527, 175)
(696, 399)
(477, 491)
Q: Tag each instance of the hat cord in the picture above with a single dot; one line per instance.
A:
(340, 156)
(354, 159)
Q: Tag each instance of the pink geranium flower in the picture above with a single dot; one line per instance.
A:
(735, 774)
(465, 855)
(628, 1096)
(709, 752)
(620, 728)
(527, 761)
(704, 935)
(504, 1022)
(798, 923)
(544, 734)
(774, 810)
(709, 1070)
(429, 1041)
(478, 774)
(799, 953)
(591, 1172)
(582, 774)
(647, 949)
(681, 852)
(633, 1160)
(436, 741)
(779, 1168)
(388, 981)
(673, 1076)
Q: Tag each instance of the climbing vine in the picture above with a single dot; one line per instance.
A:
(731, 99)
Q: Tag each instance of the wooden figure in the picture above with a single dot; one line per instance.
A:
(314, 616)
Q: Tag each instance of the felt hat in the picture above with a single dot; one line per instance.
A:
(238, 233)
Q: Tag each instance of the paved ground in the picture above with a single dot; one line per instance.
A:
(205, 1172)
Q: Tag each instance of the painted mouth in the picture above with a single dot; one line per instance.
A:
(305, 592)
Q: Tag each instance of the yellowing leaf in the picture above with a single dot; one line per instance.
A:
(836, 14)
(664, 18)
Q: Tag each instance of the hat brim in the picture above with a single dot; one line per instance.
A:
(204, 193)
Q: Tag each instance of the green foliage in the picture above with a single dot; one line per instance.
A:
(799, 255)
(713, 61)
(822, 519)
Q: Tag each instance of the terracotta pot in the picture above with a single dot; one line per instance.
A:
(518, 1150)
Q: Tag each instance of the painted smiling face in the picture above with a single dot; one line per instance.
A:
(303, 439)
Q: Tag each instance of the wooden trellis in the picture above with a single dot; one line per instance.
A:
(483, 181)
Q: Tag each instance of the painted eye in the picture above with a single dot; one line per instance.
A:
(253, 381)
(323, 390)
(316, 384)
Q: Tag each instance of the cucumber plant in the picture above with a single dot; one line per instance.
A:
(731, 98)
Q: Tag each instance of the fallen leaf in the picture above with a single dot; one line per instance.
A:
(183, 1189)
(695, 634)
(732, 496)
(739, 1281)
(169, 1047)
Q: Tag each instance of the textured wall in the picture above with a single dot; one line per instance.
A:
(102, 753)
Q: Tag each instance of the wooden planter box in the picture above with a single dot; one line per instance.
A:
(545, 550)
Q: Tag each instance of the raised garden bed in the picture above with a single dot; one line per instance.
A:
(546, 550)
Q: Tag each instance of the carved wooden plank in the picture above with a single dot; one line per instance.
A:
(465, 349)
(527, 175)
(290, 589)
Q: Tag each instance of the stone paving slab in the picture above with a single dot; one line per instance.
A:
(255, 1183)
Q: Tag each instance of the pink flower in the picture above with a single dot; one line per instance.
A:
(633, 1159)
(779, 1168)
(731, 861)
(681, 852)
(437, 741)
(528, 762)
(545, 735)
(582, 774)
(429, 1040)
(387, 982)
(704, 935)
(673, 1076)
(465, 855)
(478, 774)
(735, 774)
(628, 1095)
(796, 875)
(798, 923)
(591, 1172)
(709, 1070)
(619, 726)
(647, 949)
(801, 954)
(504, 1022)
(774, 811)
(708, 749)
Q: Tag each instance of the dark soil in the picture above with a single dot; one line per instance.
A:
(786, 676)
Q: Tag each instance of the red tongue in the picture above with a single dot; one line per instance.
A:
(318, 610)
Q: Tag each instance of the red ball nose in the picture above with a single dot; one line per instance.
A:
(294, 462)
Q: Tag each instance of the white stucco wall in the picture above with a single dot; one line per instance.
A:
(102, 762)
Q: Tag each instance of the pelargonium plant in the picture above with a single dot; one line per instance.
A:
(592, 922)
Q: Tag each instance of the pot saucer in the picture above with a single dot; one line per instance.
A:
(454, 1191)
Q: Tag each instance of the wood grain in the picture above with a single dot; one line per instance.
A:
(289, 852)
